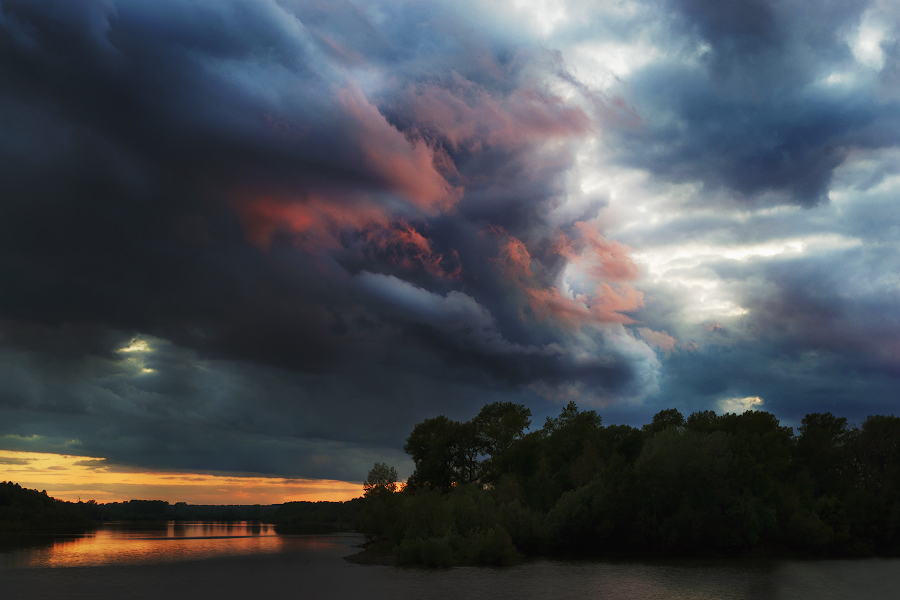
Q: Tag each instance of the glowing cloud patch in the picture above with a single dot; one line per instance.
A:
(866, 45)
(136, 346)
(740, 405)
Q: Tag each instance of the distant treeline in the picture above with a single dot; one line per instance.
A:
(485, 491)
(317, 517)
(23, 510)
(160, 510)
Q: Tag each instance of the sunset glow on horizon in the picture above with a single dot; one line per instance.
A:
(75, 478)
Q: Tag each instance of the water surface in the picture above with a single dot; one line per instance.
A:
(222, 561)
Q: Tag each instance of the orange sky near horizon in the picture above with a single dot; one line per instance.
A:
(68, 477)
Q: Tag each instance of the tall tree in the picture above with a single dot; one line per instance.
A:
(382, 479)
(440, 450)
(498, 426)
(822, 449)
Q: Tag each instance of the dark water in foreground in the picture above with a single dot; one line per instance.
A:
(215, 560)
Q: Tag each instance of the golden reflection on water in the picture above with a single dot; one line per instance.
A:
(133, 544)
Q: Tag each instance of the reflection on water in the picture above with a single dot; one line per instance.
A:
(142, 543)
(249, 560)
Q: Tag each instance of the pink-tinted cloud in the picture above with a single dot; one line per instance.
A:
(608, 303)
(316, 221)
(317, 224)
(465, 115)
(598, 257)
(658, 339)
(551, 303)
(714, 328)
(601, 259)
(605, 305)
(516, 257)
(403, 245)
(409, 167)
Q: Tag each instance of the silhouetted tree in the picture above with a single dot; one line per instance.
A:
(877, 452)
(823, 450)
(382, 479)
(498, 426)
(663, 419)
(440, 449)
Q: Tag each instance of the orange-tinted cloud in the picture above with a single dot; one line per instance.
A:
(658, 339)
(516, 257)
(317, 224)
(408, 248)
(316, 221)
(408, 167)
(608, 304)
(551, 303)
(601, 259)
(598, 257)
(605, 305)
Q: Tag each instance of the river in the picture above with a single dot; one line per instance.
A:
(245, 561)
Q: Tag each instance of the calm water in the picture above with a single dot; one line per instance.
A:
(217, 560)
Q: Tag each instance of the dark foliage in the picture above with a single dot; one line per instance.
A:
(160, 510)
(485, 491)
(22, 510)
(316, 517)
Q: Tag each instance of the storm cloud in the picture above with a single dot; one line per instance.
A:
(269, 237)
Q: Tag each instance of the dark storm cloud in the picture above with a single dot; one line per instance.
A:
(211, 175)
(752, 19)
(751, 115)
(271, 237)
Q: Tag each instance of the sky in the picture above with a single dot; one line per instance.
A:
(252, 243)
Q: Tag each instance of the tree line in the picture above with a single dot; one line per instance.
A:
(489, 490)
(22, 510)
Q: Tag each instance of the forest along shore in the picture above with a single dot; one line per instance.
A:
(488, 491)
(491, 491)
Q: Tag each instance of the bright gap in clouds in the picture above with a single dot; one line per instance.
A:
(866, 45)
(740, 405)
(72, 478)
(544, 16)
(687, 265)
(661, 259)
